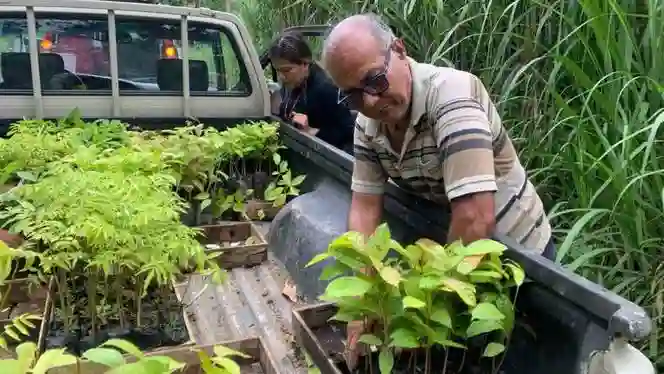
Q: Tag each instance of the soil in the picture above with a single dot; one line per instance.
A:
(161, 322)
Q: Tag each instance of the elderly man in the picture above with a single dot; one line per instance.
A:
(435, 132)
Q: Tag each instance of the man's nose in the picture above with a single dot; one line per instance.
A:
(369, 100)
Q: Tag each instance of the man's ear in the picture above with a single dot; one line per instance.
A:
(400, 47)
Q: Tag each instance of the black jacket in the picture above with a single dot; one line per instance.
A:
(317, 98)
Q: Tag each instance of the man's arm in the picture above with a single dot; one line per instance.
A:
(465, 142)
(368, 184)
(365, 213)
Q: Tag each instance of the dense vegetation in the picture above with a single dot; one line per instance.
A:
(578, 84)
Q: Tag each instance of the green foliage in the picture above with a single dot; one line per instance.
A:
(105, 204)
(284, 184)
(427, 295)
(111, 354)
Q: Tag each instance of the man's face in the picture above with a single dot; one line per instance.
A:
(290, 74)
(371, 79)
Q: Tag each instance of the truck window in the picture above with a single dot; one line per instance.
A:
(75, 56)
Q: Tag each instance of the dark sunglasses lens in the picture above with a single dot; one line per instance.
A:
(376, 84)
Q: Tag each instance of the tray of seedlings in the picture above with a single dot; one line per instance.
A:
(221, 178)
(103, 218)
(433, 308)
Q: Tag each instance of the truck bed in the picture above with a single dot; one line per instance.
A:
(250, 303)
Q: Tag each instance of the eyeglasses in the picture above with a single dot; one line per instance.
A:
(375, 83)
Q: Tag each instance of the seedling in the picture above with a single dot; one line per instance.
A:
(427, 295)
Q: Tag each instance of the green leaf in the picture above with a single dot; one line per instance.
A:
(202, 196)
(125, 346)
(481, 247)
(493, 349)
(53, 358)
(141, 367)
(430, 282)
(223, 351)
(104, 356)
(411, 302)
(370, 339)
(517, 273)
(482, 326)
(469, 264)
(26, 354)
(466, 291)
(348, 286)
(332, 271)
(386, 361)
(486, 311)
(167, 362)
(450, 343)
(298, 180)
(318, 258)
(442, 316)
(229, 365)
(391, 275)
(345, 317)
(404, 338)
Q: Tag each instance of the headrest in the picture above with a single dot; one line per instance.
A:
(169, 75)
(50, 64)
(17, 73)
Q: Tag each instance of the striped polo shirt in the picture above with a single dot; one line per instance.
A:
(455, 145)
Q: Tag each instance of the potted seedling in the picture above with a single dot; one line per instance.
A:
(282, 187)
(428, 300)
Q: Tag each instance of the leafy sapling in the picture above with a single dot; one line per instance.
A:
(428, 296)
(370, 296)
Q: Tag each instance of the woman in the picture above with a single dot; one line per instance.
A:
(309, 98)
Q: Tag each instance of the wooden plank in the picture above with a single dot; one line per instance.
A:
(254, 347)
(236, 256)
(307, 318)
(24, 297)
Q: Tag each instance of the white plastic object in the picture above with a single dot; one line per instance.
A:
(620, 358)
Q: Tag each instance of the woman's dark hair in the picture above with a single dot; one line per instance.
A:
(291, 47)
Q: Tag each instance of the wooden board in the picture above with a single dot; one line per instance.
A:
(235, 256)
(318, 337)
(253, 347)
(255, 206)
(24, 297)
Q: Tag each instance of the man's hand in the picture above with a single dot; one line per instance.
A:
(364, 217)
(354, 330)
(473, 217)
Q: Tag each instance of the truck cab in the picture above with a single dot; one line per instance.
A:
(157, 66)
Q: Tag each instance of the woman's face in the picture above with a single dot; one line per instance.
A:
(290, 74)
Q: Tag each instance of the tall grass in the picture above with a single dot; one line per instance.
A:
(579, 85)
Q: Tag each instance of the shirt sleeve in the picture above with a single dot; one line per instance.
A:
(464, 135)
(368, 174)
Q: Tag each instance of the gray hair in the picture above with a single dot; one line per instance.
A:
(373, 22)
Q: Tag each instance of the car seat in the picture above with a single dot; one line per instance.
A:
(169, 75)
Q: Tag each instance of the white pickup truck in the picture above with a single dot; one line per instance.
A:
(156, 66)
